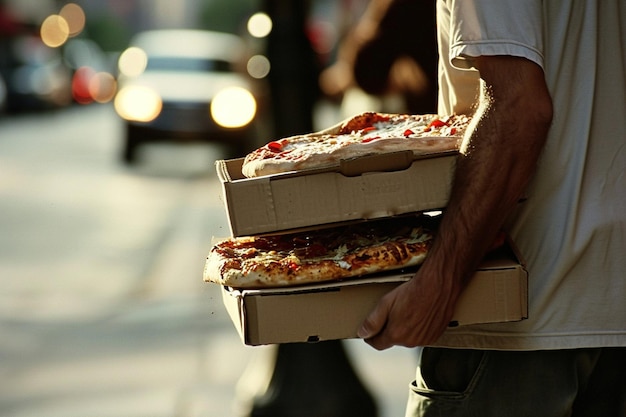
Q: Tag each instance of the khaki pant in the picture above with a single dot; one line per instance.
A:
(551, 383)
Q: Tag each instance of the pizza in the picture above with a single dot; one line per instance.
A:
(364, 134)
(320, 255)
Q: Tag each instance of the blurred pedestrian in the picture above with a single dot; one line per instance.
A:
(391, 50)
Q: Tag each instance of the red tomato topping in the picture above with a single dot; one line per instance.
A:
(453, 131)
(370, 139)
(437, 123)
(368, 129)
(275, 146)
(408, 132)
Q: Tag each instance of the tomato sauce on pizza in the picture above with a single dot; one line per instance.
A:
(364, 134)
(321, 255)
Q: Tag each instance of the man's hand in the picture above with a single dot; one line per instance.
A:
(418, 312)
(423, 307)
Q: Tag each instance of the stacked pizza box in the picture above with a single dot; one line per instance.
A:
(364, 188)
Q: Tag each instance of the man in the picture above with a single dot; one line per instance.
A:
(550, 123)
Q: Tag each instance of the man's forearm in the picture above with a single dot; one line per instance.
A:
(497, 162)
(493, 171)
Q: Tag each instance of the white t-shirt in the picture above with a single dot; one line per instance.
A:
(571, 231)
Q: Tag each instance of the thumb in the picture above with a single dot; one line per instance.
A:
(373, 324)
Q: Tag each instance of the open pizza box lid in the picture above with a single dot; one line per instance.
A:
(358, 189)
(498, 292)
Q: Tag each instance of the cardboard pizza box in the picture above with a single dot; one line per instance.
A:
(498, 292)
(362, 188)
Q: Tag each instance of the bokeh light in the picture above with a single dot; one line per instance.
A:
(102, 87)
(80, 85)
(89, 86)
(233, 107)
(133, 62)
(259, 25)
(137, 103)
(54, 31)
(75, 18)
(258, 66)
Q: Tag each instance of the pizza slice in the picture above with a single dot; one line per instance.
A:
(321, 255)
(364, 134)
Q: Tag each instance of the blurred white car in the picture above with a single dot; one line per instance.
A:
(185, 84)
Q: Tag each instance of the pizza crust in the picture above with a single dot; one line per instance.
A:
(263, 278)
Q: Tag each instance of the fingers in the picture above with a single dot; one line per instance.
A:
(399, 320)
(375, 322)
(374, 330)
(379, 341)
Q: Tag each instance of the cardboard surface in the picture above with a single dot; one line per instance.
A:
(362, 188)
(496, 293)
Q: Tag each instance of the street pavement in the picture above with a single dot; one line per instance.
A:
(103, 311)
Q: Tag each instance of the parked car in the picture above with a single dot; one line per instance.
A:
(185, 85)
(35, 77)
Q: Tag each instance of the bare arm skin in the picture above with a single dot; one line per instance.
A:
(498, 160)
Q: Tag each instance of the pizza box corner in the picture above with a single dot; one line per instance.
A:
(498, 292)
(361, 188)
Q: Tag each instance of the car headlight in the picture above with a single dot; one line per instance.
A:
(233, 107)
(139, 104)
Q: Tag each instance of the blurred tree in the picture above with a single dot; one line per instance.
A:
(226, 15)
(109, 32)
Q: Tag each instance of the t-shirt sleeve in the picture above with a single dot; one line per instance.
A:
(494, 27)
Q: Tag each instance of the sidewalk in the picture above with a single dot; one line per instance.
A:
(103, 310)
